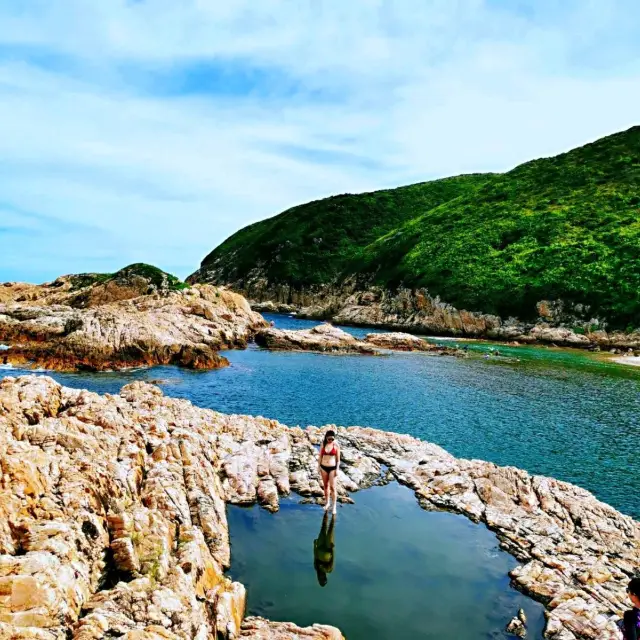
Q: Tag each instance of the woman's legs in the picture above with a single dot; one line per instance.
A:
(333, 477)
(325, 484)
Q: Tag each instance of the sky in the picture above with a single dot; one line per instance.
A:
(151, 130)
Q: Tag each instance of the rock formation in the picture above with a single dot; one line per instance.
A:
(261, 629)
(399, 342)
(518, 625)
(121, 323)
(272, 307)
(113, 523)
(324, 337)
(416, 310)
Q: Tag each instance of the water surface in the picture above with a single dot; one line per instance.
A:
(398, 572)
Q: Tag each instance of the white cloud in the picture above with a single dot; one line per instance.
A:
(105, 125)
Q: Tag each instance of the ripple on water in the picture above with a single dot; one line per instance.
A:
(398, 572)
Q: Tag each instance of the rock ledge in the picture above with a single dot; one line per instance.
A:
(113, 522)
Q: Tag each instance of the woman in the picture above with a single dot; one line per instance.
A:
(630, 623)
(329, 461)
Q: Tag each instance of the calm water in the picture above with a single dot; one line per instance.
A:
(556, 412)
(398, 571)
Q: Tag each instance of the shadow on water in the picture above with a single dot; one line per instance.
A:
(383, 569)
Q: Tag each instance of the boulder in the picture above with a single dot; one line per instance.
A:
(325, 338)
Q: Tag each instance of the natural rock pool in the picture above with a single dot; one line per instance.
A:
(398, 571)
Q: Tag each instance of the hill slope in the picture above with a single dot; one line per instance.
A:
(313, 243)
(565, 228)
(562, 228)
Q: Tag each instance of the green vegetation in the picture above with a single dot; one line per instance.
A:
(314, 243)
(155, 276)
(564, 228)
(82, 280)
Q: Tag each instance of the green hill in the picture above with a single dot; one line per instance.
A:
(162, 280)
(566, 227)
(313, 243)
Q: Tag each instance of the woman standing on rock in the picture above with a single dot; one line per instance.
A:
(329, 461)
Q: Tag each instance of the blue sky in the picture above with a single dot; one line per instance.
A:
(150, 130)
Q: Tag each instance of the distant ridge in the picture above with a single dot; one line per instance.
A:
(561, 228)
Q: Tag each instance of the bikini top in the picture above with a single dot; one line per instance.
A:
(333, 452)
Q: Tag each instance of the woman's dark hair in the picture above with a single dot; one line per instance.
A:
(328, 435)
(634, 587)
(322, 577)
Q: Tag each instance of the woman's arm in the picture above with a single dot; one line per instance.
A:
(338, 458)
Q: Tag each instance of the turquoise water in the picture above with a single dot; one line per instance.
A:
(398, 573)
(557, 412)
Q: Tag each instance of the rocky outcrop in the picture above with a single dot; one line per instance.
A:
(324, 337)
(112, 326)
(415, 310)
(399, 342)
(112, 518)
(272, 307)
(261, 629)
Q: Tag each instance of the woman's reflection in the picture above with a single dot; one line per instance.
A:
(323, 547)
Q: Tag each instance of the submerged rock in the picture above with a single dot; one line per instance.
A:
(517, 627)
(113, 522)
(115, 326)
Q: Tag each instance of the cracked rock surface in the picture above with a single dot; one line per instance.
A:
(119, 325)
(113, 522)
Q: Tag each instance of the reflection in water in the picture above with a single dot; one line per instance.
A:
(403, 573)
(323, 549)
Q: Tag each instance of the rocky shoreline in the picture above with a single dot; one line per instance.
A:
(325, 338)
(113, 523)
(121, 324)
(415, 310)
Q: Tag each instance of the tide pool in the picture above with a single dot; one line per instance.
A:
(397, 571)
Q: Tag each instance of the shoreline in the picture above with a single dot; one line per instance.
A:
(630, 361)
(182, 464)
(601, 356)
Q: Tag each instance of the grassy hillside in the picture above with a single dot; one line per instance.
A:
(565, 228)
(160, 279)
(313, 243)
